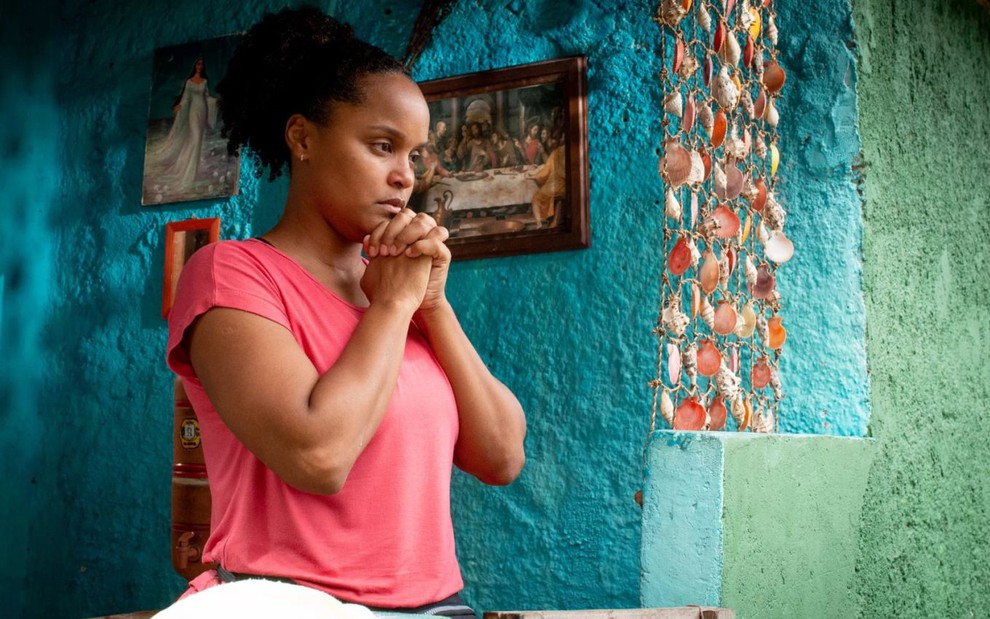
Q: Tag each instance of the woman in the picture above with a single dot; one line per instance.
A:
(177, 157)
(334, 392)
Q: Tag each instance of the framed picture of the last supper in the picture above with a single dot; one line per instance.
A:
(505, 169)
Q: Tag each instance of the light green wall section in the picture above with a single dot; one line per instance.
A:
(681, 557)
(791, 520)
(925, 125)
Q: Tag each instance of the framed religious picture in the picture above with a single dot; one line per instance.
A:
(506, 165)
(182, 239)
(185, 158)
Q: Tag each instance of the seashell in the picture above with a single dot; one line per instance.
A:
(704, 17)
(772, 30)
(724, 269)
(695, 299)
(748, 324)
(675, 165)
(734, 359)
(752, 21)
(773, 77)
(673, 319)
(670, 13)
(678, 54)
(707, 161)
(746, 101)
(762, 235)
(673, 364)
(707, 312)
(706, 118)
(718, 129)
(761, 195)
(674, 104)
(778, 247)
(728, 4)
(734, 147)
(772, 116)
(749, 269)
(695, 254)
(733, 183)
(759, 376)
(671, 206)
(688, 67)
(666, 408)
(698, 169)
(738, 411)
(760, 105)
(694, 207)
(749, 50)
(717, 414)
(762, 329)
(774, 214)
(709, 273)
(777, 332)
(758, 65)
(706, 71)
(724, 90)
(690, 361)
(727, 382)
(763, 423)
(730, 255)
(687, 121)
(719, 38)
(778, 391)
(731, 52)
(774, 159)
(679, 259)
(726, 220)
(745, 231)
(764, 285)
(709, 358)
(760, 148)
(690, 415)
(725, 318)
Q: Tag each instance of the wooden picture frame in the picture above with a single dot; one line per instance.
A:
(506, 165)
(182, 239)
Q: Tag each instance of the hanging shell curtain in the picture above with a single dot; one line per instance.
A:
(720, 330)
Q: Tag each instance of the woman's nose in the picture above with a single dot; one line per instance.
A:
(403, 176)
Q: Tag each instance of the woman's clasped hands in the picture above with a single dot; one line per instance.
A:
(408, 261)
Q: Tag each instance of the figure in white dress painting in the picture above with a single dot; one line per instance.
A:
(185, 156)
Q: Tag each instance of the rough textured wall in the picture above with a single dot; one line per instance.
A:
(570, 331)
(28, 179)
(925, 122)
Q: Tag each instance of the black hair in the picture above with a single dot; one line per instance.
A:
(296, 61)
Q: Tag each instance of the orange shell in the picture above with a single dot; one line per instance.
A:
(725, 318)
(709, 359)
(748, 51)
(689, 415)
(760, 374)
(709, 273)
(717, 414)
(761, 196)
(727, 220)
(747, 415)
(778, 335)
(678, 54)
(695, 299)
(774, 77)
(718, 129)
(719, 39)
(680, 257)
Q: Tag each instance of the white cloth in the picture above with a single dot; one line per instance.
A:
(177, 157)
(263, 599)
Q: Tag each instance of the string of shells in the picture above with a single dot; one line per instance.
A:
(720, 329)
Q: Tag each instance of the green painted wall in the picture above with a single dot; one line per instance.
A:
(925, 124)
(791, 520)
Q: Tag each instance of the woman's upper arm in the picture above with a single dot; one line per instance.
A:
(259, 381)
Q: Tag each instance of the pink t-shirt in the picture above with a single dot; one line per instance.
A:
(386, 538)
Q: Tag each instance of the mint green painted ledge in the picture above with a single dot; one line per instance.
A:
(766, 525)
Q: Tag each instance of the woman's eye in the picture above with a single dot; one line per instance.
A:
(385, 147)
(414, 156)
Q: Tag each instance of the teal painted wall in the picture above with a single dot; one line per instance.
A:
(569, 331)
(28, 181)
(925, 122)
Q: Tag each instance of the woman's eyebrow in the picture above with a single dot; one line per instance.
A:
(394, 133)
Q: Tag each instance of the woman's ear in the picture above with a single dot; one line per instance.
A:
(297, 137)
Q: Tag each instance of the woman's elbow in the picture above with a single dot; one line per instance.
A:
(317, 474)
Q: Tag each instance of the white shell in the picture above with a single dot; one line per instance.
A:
(772, 30)
(763, 423)
(748, 318)
(707, 312)
(689, 65)
(704, 17)
(671, 12)
(697, 174)
(695, 254)
(761, 234)
(727, 383)
(690, 361)
(666, 408)
(746, 101)
(773, 213)
(763, 329)
(673, 363)
(730, 49)
(778, 392)
(778, 247)
(674, 104)
(724, 90)
(706, 118)
(771, 114)
(750, 270)
(735, 148)
(760, 148)
(671, 206)
(718, 177)
(723, 270)
(673, 318)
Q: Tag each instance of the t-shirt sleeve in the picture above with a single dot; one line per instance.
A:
(223, 274)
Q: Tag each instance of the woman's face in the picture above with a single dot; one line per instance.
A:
(198, 66)
(360, 167)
